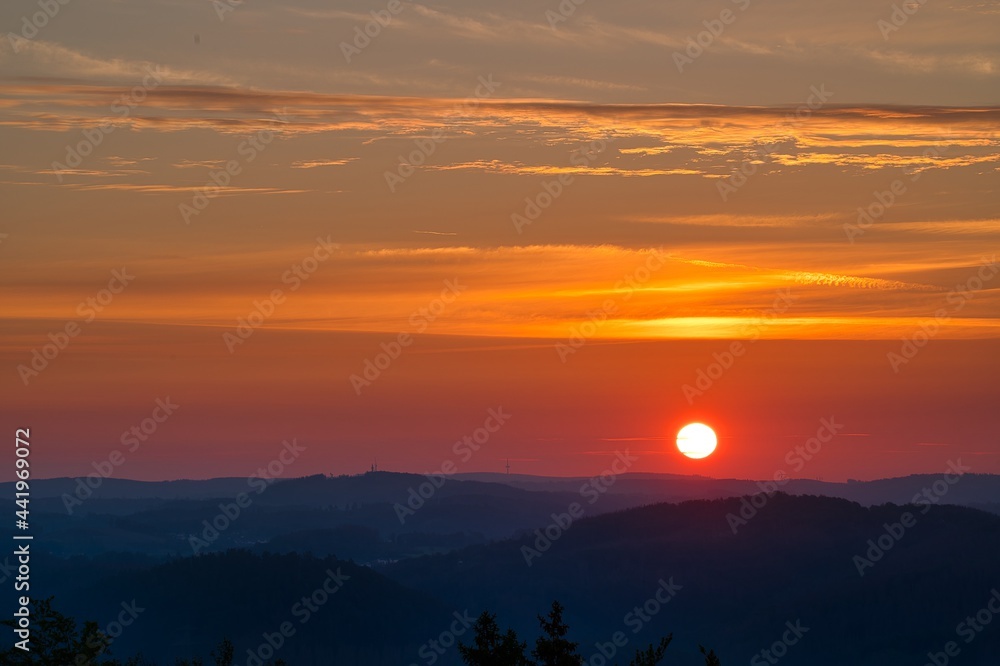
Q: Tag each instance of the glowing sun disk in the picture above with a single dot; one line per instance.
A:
(696, 440)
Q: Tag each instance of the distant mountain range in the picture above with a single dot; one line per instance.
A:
(408, 513)
(749, 565)
(794, 563)
(391, 487)
(975, 489)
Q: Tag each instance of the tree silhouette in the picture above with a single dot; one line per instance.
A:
(651, 656)
(55, 640)
(223, 654)
(490, 648)
(552, 648)
(710, 658)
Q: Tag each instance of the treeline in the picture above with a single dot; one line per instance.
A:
(490, 647)
(57, 640)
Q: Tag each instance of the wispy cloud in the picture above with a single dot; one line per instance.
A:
(654, 139)
(313, 164)
(45, 61)
(375, 289)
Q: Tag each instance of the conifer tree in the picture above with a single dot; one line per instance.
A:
(491, 648)
(553, 648)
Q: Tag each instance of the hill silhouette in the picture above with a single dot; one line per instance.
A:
(737, 577)
(190, 604)
(158, 519)
(793, 561)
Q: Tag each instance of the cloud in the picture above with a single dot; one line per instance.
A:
(952, 227)
(519, 169)
(538, 291)
(312, 164)
(721, 220)
(46, 61)
(161, 188)
(652, 139)
(823, 279)
(225, 107)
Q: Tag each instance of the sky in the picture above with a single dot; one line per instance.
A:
(365, 226)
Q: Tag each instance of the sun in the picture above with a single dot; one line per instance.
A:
(696, 440)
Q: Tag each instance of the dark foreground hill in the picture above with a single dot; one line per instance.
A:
(314, 611)
(796, 561)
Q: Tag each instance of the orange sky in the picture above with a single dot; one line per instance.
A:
(571, 232)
